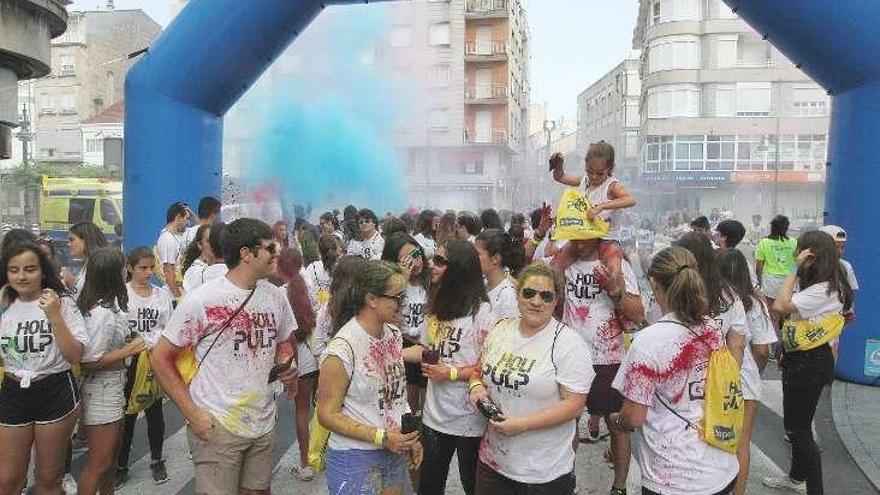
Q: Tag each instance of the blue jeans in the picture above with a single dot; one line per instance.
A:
(365, 472)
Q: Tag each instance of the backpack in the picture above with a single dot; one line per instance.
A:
(723, 405)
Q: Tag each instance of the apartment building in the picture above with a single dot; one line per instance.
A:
(727, 121)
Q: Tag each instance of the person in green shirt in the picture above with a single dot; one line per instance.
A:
(774, 258)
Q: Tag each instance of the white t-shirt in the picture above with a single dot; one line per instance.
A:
(447, 406)
(198, 274)
(377, 392)
(427, 244)
(170, 247)
(590, 312)
(370, 249)
(231, 382)
(645, 239)
(814, 302)
(189, 235)
(760, 331)
(503, 299)
(27, 343)
(107, 329)
(80, 279)
(414, 313)
(148, 315)
(523, 378)
(850, 274)
(318, 279)
(670, 361)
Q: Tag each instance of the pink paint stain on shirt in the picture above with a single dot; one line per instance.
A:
(582, 313)
(641, 379)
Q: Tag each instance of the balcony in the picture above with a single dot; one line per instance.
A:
(494, 135)
(486, 94)
(485, 51)
(485, 9)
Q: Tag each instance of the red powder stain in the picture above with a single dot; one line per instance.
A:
(582, 313)
(641, 378)
(485, 453)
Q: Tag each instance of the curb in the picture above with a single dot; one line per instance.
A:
(857, 445)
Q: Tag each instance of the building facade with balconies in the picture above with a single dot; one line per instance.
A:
(727, 122)
(89, 63)
(463, 139)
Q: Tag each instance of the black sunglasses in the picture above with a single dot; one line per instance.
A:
(547, 296)
(269, 247)
(440, 260)
(400, 298)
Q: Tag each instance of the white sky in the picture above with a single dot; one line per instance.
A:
(574, 42)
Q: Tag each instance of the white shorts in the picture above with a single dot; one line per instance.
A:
(771, 285)
(305, 359)
(103, 397)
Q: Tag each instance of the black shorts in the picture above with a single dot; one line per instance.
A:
(490, 482)
(414, 374)
(603, 399)
(46, 401)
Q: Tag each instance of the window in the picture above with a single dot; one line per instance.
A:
(48, 152)
(720, 152)
(108, 212)
(94, 145)
(68, 103)
(674, 100)
(441, 74)
(725, 51)
(689, 152)
(81, 210)
(717, 9)
(439, 119)
(752, 52)
(67, 65)
(809, 101)
(658, 153)
(752, 99)
(725, 100)
(674, 52)
(47, 103)
(438, 34)
(472, 168)
(751, 152)
(401, 36)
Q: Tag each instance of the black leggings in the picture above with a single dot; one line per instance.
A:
(438, 448)
(155, 424)
(726, 491)
(804, 375)
(490, 482)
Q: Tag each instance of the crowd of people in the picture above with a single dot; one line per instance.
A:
(405, 341)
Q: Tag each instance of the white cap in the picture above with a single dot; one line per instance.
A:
(837, 233)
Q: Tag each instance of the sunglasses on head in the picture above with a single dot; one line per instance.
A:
(547, 296)
(440, 260)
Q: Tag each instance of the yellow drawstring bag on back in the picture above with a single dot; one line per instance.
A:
(571, 218)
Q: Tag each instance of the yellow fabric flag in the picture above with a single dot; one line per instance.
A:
(571, 218)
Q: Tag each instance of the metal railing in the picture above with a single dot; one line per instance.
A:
(486, 92)
(490, 135)
(485, 6)
(487, 48)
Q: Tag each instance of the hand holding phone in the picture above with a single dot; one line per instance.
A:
(410, 422)
(280, 368)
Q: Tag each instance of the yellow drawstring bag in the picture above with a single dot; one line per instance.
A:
(803, 335)
(571, 218)
(723, 407)
(186, 364)
(145, 390)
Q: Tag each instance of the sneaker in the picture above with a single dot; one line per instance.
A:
(121, 477)
(302, 473)
(618, 491)
(785, 483)
(68, 484)
(160, 474)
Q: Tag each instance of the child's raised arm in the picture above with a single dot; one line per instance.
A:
(556, 166)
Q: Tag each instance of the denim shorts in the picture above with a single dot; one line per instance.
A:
(365, 472)
(103, 397)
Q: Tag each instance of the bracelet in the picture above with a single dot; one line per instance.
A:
(453, 373)
(475, 384)
(379, 437)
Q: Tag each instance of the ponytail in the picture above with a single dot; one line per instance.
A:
(675, 270)
(513, 255)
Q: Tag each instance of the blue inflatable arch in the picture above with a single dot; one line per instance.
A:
(837, 43)
(177, 94)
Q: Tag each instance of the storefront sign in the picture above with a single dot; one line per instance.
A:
(783, 176)
(687, 176)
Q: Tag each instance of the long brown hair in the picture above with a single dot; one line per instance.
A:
(824, 266)
(675, 270)
(289, 265)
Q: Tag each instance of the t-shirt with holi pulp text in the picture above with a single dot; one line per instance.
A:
(447, 405)
(147, 316)
(368, 249)
(232, 382)
(503, 299)
(590, 312)
(414, 317)
(107, 329)
(27, 343)
(377, 390)
(668, 362)
(523, 376)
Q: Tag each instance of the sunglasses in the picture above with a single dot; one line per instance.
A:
(270, 248)
(415, 254)
(440, 260)
(400, 298)
(547, 296)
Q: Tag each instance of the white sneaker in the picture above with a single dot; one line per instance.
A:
(785, 483)
(68, 484)
(302, 473)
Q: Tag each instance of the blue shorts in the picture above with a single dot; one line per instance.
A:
(365, 472)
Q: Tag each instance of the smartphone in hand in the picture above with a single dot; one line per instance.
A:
(279, 368)
(410, 422)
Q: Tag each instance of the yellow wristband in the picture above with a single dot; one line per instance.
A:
(475, 383)
(379, 437)
(453, 373)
